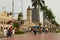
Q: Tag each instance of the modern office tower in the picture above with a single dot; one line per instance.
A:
(35, 15)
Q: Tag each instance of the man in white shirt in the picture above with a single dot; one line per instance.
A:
(5, 31)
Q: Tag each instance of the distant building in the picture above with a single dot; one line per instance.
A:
(47, 23)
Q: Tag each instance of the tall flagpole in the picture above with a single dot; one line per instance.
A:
(12, 11)
(22, 6)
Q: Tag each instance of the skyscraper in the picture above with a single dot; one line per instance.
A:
(35, 15)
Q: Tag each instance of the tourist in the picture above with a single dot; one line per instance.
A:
(40, 29)
(9, 33)
(5, 32)
(56, 30)
(34, 31)
(1, 28)
(13, 32)
(46, 30)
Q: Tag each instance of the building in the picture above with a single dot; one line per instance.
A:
(29, 14)
(35, 15)
(5, 19)
(29, 22)
(48, 24)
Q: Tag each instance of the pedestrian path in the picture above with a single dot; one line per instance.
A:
(31, 36)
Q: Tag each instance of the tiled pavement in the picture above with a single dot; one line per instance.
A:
(31, 36)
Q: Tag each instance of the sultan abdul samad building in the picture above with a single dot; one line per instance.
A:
(5, 19)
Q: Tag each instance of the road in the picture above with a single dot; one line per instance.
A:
(31, 36)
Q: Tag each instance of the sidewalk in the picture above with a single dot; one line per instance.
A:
(16, 37)
(31, 36)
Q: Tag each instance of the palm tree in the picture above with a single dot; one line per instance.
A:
(47, 14)
(55, 23)
(44, 9)
(50, 15)
(38, 4)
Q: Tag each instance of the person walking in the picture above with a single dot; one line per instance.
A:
(56, 30)
(9, 33)
(34, 31)
(13, 32)
(46, 30)
(5, 32)
(40, 29)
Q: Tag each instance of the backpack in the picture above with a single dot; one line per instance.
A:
(9, 33)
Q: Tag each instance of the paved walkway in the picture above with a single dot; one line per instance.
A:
(31, 36)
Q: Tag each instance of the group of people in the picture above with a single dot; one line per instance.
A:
(8, 32)
(40, 30)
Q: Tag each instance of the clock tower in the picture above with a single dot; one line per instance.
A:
(29, 14)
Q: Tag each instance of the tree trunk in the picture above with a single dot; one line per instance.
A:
(17, 29)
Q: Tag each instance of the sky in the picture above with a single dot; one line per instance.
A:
(21, 7)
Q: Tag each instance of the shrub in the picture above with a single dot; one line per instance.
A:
(20, 32)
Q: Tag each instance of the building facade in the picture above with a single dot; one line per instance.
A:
(5, 19)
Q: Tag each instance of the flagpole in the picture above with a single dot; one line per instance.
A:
(22, 6)
(12, 11)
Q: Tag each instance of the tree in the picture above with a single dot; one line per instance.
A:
(39, 23)
(16, 25)
(48, 14)
(20, 18)
(38, 3)
(44, 9)
(55, 23)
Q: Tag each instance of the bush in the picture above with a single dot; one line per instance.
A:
(58, 31)
(20, 32)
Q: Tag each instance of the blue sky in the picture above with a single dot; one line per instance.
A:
(53, 4)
